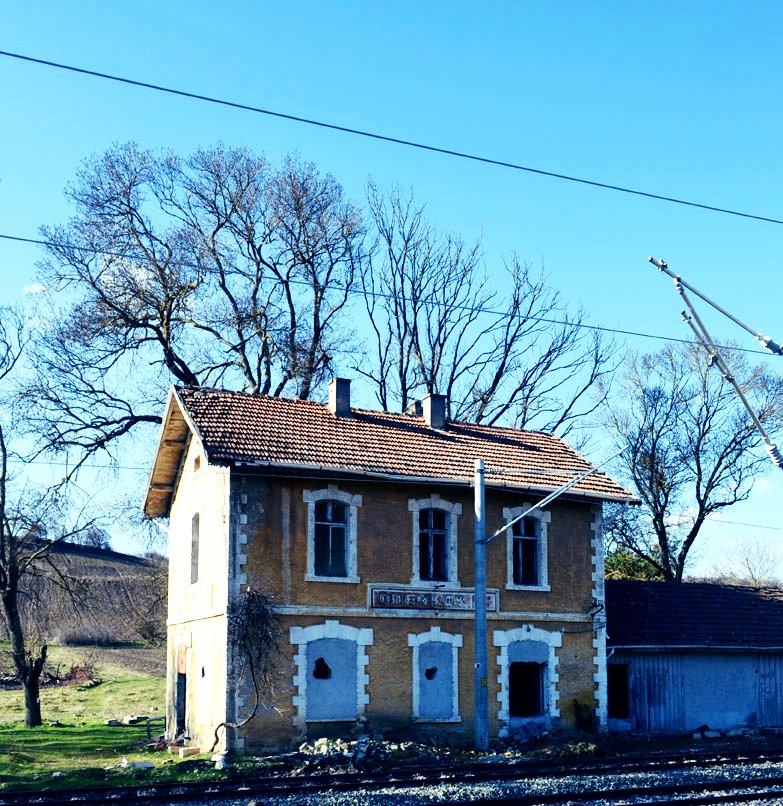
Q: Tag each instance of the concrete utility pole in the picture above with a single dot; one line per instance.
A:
(481, 709)
(481, 699)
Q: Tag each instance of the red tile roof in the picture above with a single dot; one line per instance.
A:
(237, 428)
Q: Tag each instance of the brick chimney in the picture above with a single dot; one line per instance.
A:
(340, 397)
(434, 407)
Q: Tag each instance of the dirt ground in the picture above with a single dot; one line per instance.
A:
(147, 660)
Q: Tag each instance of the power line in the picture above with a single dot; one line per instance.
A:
(742, 523)
(387, 138)
(382, 295)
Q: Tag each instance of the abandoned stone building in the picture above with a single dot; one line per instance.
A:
(359, 527)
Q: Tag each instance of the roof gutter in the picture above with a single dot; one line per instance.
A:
(409, 479)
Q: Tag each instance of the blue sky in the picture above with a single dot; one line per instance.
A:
(676, 98)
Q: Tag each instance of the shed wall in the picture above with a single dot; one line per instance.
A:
(683, 691)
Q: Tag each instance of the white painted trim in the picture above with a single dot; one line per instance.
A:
(503, 639)
(331, 493)
(543, 518)
(302, 636)
(454, 510)
(599, 620)
(415, 640)
(344, 580)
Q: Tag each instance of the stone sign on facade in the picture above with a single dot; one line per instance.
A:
(417, 599)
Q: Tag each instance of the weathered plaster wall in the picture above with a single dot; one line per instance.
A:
(197, 611)
(277, 548)
(390, 680)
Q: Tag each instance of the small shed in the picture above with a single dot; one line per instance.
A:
(682, 656)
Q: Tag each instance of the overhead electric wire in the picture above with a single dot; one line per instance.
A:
(382, 295)
(386, 138)
(148, 469)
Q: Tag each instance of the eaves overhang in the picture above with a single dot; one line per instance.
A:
(177, 429)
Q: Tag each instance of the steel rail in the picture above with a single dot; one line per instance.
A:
(696, 792)
(410, 776)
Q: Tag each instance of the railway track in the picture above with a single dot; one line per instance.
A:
(521, 776)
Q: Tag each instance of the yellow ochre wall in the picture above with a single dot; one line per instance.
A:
(274, 517)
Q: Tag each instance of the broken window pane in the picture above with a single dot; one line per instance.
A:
(525, 552)
(329, 548)
(433, 545)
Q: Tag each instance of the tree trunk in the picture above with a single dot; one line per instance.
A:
(32, 699)
(28, 668)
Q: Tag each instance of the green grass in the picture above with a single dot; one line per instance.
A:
(81, 747)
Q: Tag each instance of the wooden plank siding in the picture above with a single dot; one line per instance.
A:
(684, 690)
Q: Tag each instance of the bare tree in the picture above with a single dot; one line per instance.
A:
(439, 325)
(30, 524)
(692, 449)
(752, 561)
(215, 270)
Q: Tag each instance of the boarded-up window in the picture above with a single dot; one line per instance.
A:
(331, 680)
(330, 547)
(436, 684)
(194, 539)
(525, 689)
(617, 684)
(433, 545)
(525, 552)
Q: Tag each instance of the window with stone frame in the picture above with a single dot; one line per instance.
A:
(527, 549)
(332, 535)
(435, 526)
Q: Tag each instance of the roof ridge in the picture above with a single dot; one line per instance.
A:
(385, 413)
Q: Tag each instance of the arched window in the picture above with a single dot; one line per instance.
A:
(435, 676)
(527, 677)
(331, 672)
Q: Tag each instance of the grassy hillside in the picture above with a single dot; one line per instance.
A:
(107, 597)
